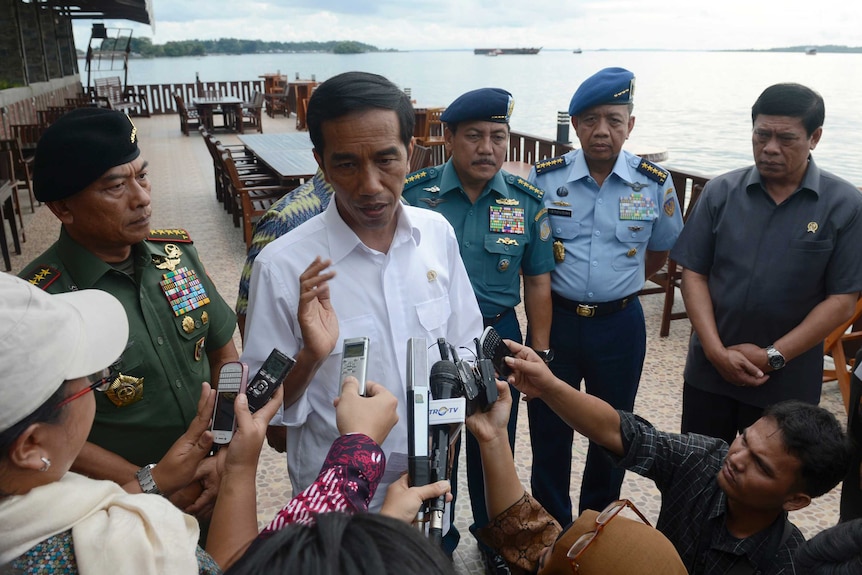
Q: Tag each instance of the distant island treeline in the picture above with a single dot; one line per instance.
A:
(145, 48)
(825, 48)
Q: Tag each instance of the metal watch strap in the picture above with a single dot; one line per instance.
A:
(547, 355)
(775, 358)
(146, 481)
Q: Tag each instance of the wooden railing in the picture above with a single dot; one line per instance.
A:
(161, 99)
(530, 149)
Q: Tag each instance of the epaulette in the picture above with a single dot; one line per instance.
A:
(550, 164)
(419, 176)
(653, 172)
(170, 235)
(42, 276)
(526, 186)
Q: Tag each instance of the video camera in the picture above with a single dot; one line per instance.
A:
(457, 389)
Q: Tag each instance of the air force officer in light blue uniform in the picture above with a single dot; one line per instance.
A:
(614, 217)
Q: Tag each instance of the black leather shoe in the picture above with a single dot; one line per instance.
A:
(494, 564)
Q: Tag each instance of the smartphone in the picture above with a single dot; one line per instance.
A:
(231, 382)
(354, 360)
(267, 379)
(494, 349)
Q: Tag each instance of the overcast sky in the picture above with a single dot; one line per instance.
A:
(436, 24)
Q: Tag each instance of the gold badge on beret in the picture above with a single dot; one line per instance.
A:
(125, 390)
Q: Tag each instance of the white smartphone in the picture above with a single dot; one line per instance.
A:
(354, 360)
(232, 380)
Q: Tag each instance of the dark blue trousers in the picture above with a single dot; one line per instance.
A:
(607, 353)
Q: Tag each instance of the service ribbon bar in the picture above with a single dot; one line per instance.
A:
(184, 290)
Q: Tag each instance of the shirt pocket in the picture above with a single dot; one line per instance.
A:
(503, 258)
(192, 330)
(807, 259)
(633, 237)
(563, 227)
(434, 315)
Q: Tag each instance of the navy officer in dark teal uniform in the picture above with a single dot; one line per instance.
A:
(503, 231)
(614, 217)
(92, 176)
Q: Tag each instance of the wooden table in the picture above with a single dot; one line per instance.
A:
(288, 155)
(230, 108)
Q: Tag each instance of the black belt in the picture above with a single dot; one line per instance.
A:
(591, 309)
(495, 319)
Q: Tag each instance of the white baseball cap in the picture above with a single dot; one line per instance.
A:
(47, 339)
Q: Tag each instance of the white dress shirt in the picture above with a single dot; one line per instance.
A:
(418, 289)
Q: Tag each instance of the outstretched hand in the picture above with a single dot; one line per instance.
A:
(179, 466)
(243, 452)
(374, 415)
(531, 375)
(488, 425)
(317, 320)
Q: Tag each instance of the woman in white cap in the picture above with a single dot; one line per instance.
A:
(55, 350)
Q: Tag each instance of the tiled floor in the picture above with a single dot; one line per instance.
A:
(183, 196)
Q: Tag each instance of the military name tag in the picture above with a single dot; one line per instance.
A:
(507, 220)
(637, 207)
(184, 290)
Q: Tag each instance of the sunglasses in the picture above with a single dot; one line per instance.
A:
(99, 381)
(584, 541)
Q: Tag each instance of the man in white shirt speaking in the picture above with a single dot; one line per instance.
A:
(367, 266)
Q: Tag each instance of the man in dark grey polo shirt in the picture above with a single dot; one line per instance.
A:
(770, 268)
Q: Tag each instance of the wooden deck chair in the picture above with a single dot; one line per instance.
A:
(834, 346)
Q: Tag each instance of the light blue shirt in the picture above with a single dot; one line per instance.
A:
(606, 231)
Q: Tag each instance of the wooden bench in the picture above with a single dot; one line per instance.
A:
(110, 92)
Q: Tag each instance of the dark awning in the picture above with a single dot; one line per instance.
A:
(134, 10)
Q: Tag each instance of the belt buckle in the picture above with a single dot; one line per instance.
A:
(586, 310)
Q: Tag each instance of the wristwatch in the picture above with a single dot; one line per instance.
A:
(547, 355)
(774, 358)
(146, 481)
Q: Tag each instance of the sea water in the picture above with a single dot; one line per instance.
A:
(695, 105)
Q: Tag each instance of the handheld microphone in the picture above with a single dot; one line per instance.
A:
(418, 465)
(444, 382)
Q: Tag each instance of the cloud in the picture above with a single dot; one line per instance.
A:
(460, 24)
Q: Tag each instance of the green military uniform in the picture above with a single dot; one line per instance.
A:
(173, 322)
(504, 232)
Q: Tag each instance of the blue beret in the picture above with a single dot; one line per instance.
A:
(78, 148)
(608, 86)
(488, 104)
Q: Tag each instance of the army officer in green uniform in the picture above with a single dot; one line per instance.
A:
(502, 229)
(89, 170)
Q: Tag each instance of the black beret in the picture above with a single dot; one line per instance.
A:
(488, 104)
(78, 148)
(608, 86)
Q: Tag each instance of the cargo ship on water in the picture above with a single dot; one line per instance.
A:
(505, 51)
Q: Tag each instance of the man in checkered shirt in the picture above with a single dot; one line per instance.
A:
(724, 507)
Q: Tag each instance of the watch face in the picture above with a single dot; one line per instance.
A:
(776, 362)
